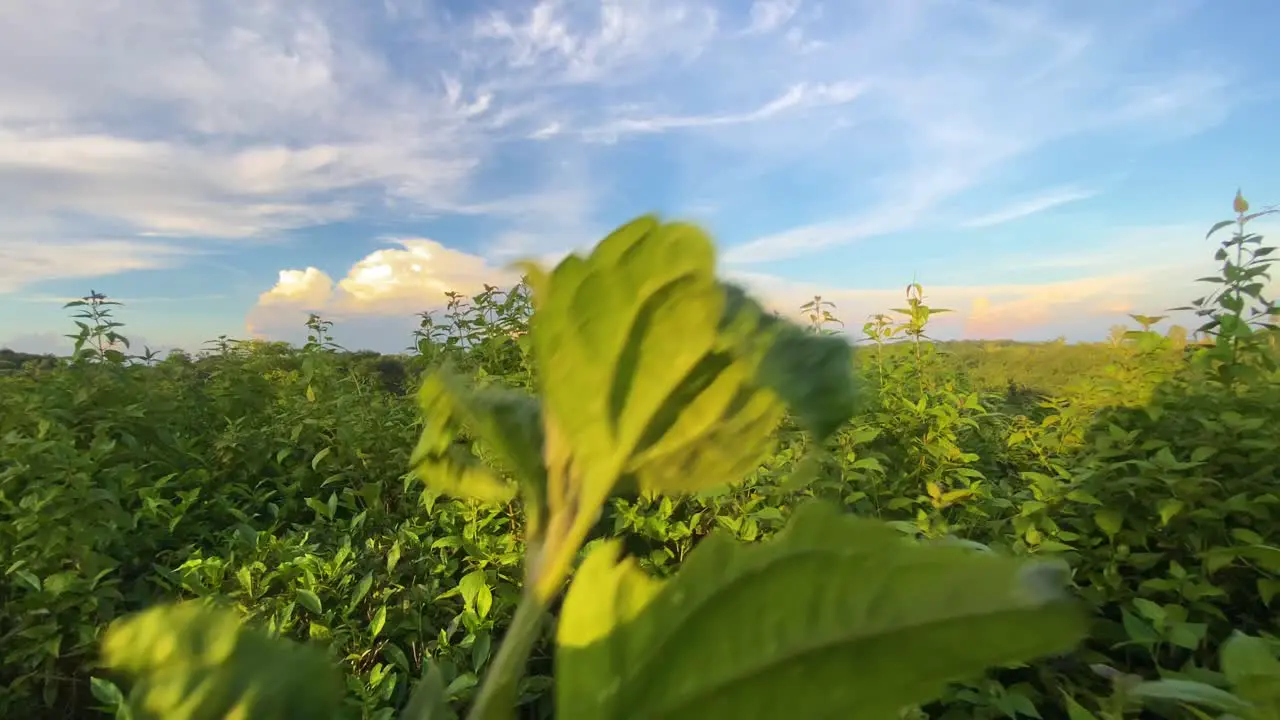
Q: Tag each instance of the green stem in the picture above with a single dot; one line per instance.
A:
(498, 690)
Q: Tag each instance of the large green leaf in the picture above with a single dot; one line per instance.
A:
(192, 661)
(836, 617)
(615, 334)
(655, 371)
(507, 423)
(1254, 674)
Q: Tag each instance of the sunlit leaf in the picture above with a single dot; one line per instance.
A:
(836, 617)
(655, 371)
(192, 661)
(506, 421)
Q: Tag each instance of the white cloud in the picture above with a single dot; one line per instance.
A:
(160, 188)
(1025, 208)
(549, 130)
(769, 15)
(1133, 270)
(572, 42)
(1018, 79)
(389, 282)
(173, 119)
(308, 289)
(194, 118)
(65, 260)
(807, 238)
(1144, 270)
(797, 97)
(199, 119)
(1019, 311)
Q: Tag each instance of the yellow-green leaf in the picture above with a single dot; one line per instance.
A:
(837, 616)
(655, 372)
(506, 422)
(310, 601)
(1254, 672)
(192, 661)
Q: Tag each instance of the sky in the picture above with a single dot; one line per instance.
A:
(1041, 167)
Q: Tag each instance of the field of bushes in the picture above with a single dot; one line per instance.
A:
(277, 479)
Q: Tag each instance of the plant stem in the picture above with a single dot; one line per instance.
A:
(497, 695)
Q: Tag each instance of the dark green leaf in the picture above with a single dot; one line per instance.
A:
(1189, 691)
(1218, 226)
(428, 701)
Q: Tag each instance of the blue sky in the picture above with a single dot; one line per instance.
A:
(1041, 167)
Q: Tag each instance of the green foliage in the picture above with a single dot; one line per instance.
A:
(1239, 307)
(836, 616)
(191, 662)
(509, 422)
(672, 431)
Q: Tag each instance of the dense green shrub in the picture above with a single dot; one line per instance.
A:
(276, 479)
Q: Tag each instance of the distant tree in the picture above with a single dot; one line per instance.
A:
(12, 361)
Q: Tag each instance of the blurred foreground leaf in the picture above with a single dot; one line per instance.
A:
(193, 661)
(836, 617)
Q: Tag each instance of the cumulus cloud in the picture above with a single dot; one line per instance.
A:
(1131, 270)
(393, 282)
(198, 119)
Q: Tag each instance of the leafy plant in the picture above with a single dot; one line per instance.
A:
(1233, 312)
(263, 488)
(657, 378)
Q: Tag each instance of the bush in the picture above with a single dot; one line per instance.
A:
(276, 483)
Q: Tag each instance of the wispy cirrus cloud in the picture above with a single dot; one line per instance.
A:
(796, 98)
(769, 15)
(79, 259)
(555, 42)
(200, 119)
(1018, 80)
(134, 137)
(1030, 206)
(193, 119)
